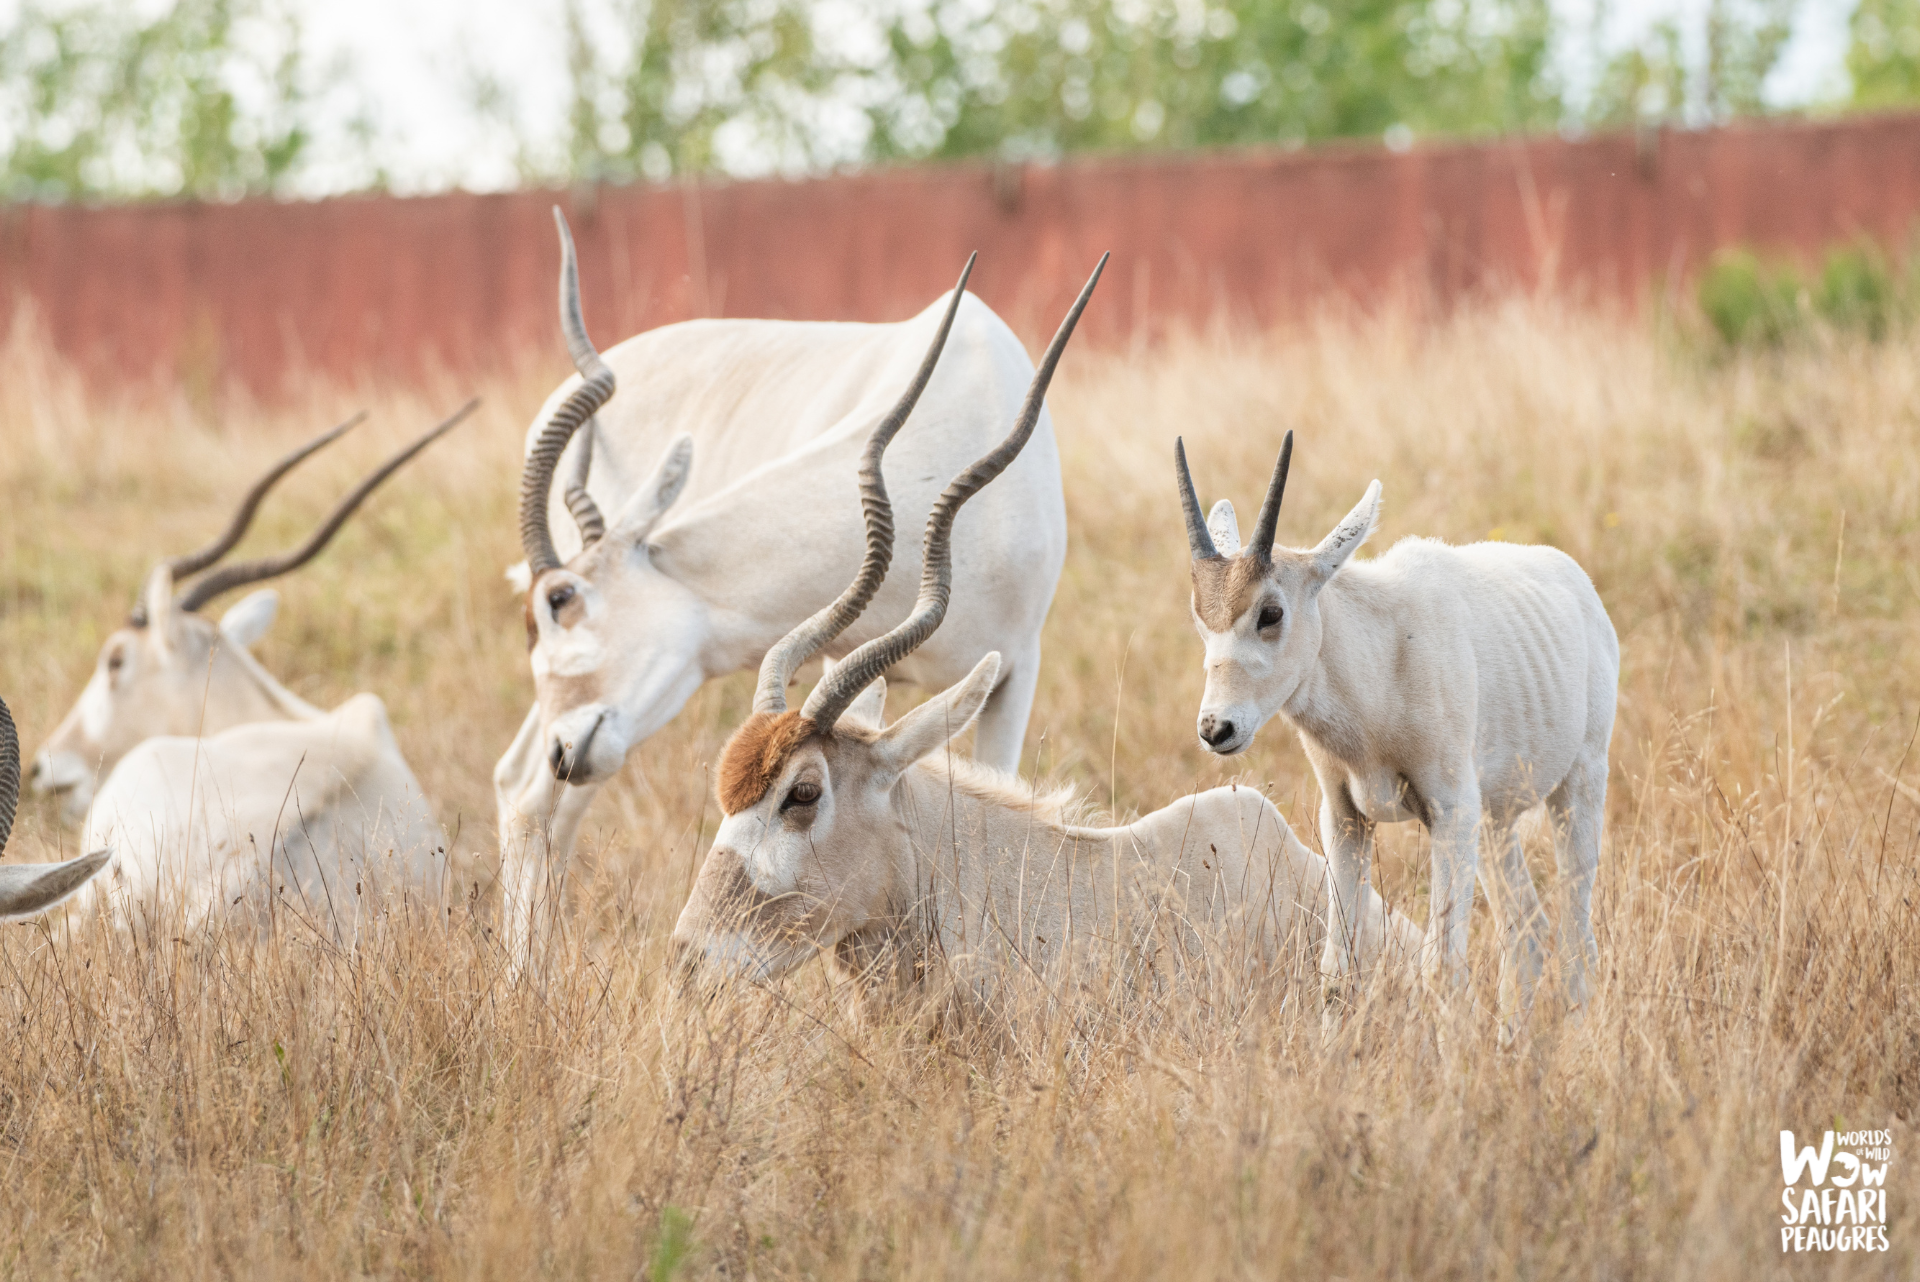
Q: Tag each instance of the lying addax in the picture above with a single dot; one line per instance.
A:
(26, 889)
(1434, 683)
(704, 565)
(869, 843)
(320, 802)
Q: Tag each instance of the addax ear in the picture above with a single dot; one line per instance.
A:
(248, 621)
(651, 501)
(1224, 528)
(1353, 530)
(869, 706)
(157, 598)
(930, 726)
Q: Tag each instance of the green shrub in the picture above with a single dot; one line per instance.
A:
(1753, 303)
(1750, 303)
(1858, 291)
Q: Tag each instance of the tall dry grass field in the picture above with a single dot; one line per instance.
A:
(196, 1104)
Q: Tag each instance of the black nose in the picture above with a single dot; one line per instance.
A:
(568, 766)
(1215, 731)
(570, 763)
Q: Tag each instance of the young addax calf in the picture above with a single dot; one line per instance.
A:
(26, 889)
(869, 843)
(1434, 683)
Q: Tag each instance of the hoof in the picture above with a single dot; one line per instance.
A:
(1334, 1000)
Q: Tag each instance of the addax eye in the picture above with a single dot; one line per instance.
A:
(804, 793)
(116, 661)
(1269, 617)
(558, 598)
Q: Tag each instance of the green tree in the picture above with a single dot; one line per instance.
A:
(1652, 80)
(1046, 76)
(949, 78)
(1644, 83)
(95, 101)
(1884, 57)
(692, 72)
(1745, 39)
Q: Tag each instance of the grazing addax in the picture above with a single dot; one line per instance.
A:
(724, 465)
(868, 843)
(213, 770)
(1438, 683)
(27, 889)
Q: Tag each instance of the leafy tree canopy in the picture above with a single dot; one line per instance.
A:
(216, 98)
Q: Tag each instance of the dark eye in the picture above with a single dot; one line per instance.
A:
(115, 662)
(559, 597)
(804, 793)
(1269, 617)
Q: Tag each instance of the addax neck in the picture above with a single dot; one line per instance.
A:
(1322, 705)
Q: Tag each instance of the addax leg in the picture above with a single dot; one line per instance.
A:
(1348, 837)
(539, 818)
(1576, 808)
(1523, 925)
(1454, 823)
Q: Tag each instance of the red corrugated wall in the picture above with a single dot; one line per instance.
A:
(385, 286)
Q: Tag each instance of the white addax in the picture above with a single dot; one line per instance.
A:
(873, 845)
(27, 889)
(322, 812)
(727, 463)
(898, 862)
(1460, 686)
(218, 780)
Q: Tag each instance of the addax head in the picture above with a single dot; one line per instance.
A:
(167, 670)
(613, 639)
(1257, 606)
(810, 848)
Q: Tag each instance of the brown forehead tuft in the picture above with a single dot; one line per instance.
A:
(753, 757)
(1224, 587)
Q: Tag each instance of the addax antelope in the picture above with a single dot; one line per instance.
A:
(26, 889)
(870, 844)
(724, 464)
(1435, 683)
(217, 777)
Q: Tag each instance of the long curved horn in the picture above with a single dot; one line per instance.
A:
(536, 478)
(1199, 538)
(586, 513)
(805, 641)
(194, 562)
(229, 577)
(1262, 544)
(853, 674)
(9, 774)
(26, 889)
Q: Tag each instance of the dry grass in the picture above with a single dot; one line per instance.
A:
(214, 1105)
